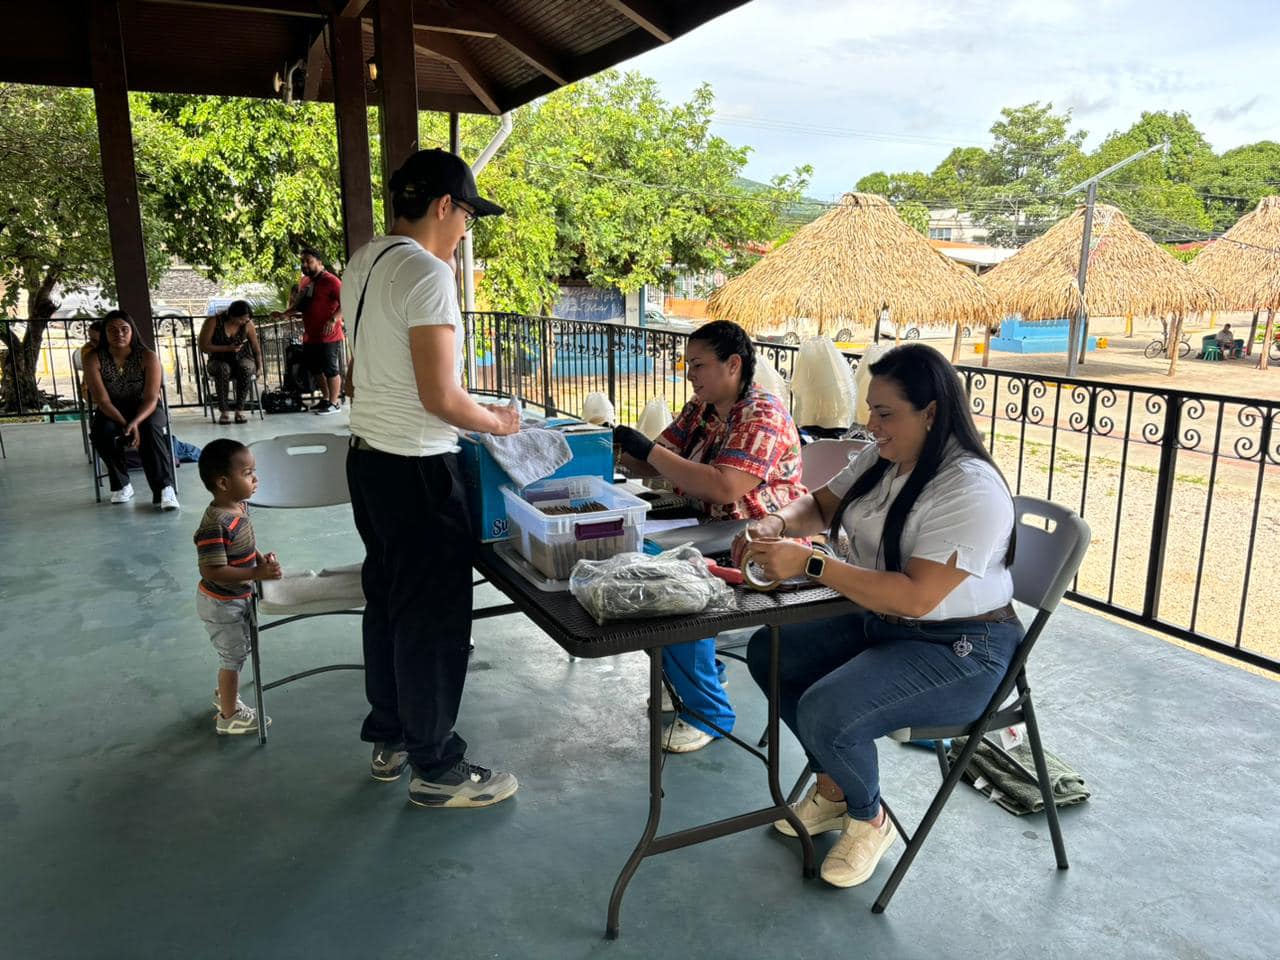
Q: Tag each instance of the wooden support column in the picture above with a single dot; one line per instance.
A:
(398, 85)
(351, 111)
(119, 175)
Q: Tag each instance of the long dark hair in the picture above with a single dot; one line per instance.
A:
(726, 339)
(136, 344)
(925, 377)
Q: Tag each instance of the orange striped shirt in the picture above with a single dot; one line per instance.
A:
(225, 539)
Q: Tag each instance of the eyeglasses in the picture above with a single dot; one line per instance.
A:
(466, 212)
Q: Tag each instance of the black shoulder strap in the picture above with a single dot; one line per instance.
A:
(355, 326)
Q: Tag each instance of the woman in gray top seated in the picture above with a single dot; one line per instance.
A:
(928, 519)
(124, 381)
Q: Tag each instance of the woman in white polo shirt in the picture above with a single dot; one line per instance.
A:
(928, 520)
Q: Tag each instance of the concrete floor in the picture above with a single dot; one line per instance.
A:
(130, 830)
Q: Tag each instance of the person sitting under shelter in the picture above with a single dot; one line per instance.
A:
(231, 342)
(124, 381)
(928, 519)
(1226, 341)
(736, 449)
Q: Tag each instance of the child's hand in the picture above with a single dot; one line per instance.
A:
(271, 558)
(270, 569)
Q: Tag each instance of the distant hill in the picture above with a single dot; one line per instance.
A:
(805, 211)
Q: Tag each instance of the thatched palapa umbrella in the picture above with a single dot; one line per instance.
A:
(1244, 265)
(1127, 273)
(839, 270)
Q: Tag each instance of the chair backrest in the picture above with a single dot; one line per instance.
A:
(301, 470)
(1046, 560)
(823, 459)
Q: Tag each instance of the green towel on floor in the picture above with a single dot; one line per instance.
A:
(1015, 792)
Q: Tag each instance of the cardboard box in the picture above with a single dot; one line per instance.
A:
(592, 449)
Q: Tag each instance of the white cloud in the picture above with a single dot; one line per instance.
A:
(924, 75)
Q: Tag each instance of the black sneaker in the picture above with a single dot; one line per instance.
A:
(462, 785)
(322, 408)
(389, 761)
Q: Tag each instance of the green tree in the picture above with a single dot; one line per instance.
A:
(244, 183)
(608, 183)
(53, 234)
(1233, 184)
(916, 214)
(1030, 146)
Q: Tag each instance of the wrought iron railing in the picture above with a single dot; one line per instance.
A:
(1181, 489)
(50, 390)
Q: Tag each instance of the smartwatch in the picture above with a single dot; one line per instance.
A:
(814, 566)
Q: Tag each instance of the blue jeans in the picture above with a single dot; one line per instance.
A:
(696, 675)
(848, 680)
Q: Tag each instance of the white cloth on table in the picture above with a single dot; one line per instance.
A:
(529, 455)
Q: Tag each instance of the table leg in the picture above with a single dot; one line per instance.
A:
(809, 870)
(655, 794)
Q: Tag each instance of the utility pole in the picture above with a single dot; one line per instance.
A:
(1078, 338)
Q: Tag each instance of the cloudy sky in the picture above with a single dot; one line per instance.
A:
(856, 86)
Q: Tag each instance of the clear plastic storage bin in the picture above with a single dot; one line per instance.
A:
(555, 523)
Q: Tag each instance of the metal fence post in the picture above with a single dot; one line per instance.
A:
(1164, 501)
(611, 346)
(548, 400)
(497, 352)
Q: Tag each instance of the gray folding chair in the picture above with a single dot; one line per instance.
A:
(1051, 544)
(296, 471)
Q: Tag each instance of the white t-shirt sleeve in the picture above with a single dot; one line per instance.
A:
(969, 519)
(859, 464)
(432, 298)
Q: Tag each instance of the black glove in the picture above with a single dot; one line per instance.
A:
(633, 442)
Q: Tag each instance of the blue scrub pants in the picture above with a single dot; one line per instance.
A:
(696, 675)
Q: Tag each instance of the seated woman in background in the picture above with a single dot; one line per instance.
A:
(231, 342)
(124, 380)
(81, 358)
(736, 449)
(929, 522)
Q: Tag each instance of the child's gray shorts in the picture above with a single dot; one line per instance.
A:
(228, 624)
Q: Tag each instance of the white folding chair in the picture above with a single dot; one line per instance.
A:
(297, 471)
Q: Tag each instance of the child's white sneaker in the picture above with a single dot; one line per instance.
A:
(217, 702)
(243, 720)
(123, 495)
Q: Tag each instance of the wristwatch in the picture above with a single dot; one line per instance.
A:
(814, 566)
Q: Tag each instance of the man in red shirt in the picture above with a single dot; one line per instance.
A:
(318, 300)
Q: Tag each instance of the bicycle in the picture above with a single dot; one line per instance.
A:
(1156, 348)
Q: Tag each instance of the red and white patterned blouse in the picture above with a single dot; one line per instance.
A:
(757, 437)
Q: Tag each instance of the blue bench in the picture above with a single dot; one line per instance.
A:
(1035, 336)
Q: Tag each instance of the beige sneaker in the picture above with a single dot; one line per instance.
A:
(816, 812)
(681, 737)
(854, 857)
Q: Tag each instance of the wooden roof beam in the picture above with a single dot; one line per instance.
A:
(352, 8)
(481, 19)
(451, 51)
(313, 9)
(646, 15)
(316, 62)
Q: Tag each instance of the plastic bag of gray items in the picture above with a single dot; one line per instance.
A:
(632, 586)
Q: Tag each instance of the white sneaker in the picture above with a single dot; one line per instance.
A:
(244, 720)
(854, 857)
(816, 812)
(681, 737)
(123, 495)
(217, 702)
(169, 499)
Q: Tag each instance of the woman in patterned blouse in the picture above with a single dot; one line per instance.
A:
(736, 449)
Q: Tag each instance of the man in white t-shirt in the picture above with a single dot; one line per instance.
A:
(400, 296)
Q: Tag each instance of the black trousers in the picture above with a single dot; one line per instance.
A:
(412, 516)
(153, 447)
(224, 369)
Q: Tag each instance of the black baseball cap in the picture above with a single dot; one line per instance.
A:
(433, 173)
